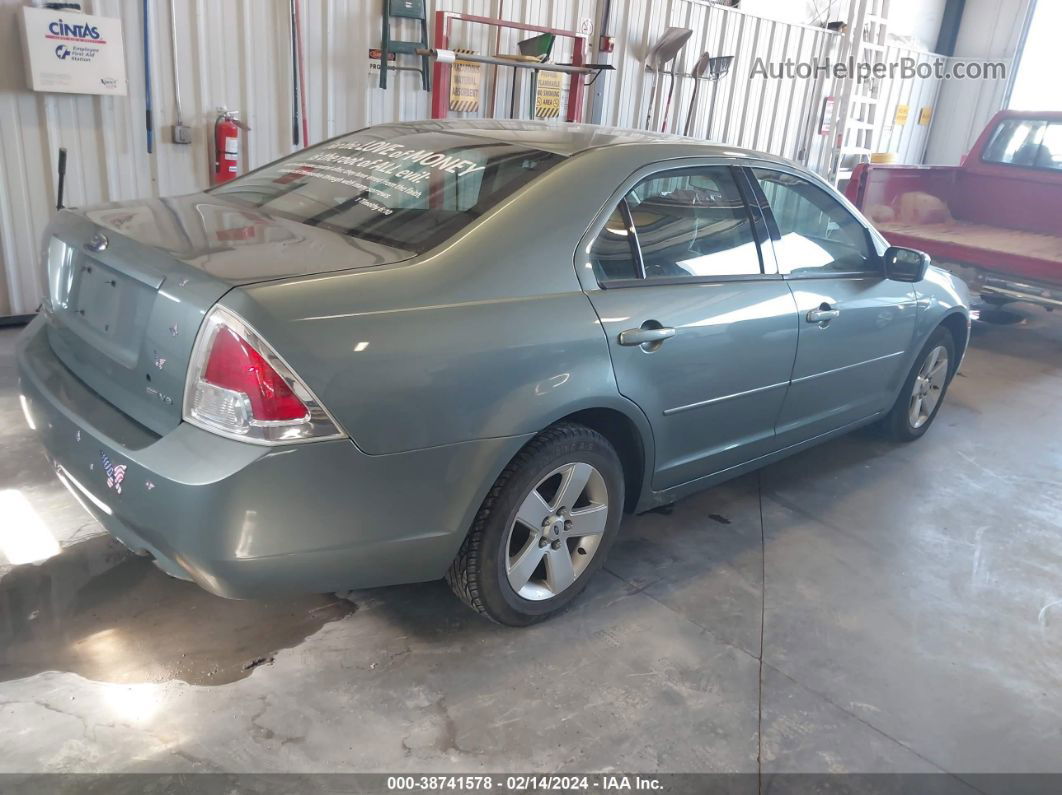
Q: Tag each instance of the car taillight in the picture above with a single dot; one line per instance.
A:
(235, 366)
(238, 386)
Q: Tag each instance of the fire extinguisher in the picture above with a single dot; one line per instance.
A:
(227, 128)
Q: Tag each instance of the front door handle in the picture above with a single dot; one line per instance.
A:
(645, 336)
(824, 314)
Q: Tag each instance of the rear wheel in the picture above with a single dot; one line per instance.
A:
(544, 528)
(923, 391)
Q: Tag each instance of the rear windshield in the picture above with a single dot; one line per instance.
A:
(1033, 143)
(399, 186)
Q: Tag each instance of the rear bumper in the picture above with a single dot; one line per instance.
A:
(243, 520)
(985, 282)
(1042, 295)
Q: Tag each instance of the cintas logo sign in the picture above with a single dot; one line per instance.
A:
(81, 41)
(84, 32)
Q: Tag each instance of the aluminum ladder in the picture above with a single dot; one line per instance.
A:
(405, 9)
(858, 111)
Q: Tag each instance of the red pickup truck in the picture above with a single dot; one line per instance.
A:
(995, 220)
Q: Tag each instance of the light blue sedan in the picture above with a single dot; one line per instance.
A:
(465, 349)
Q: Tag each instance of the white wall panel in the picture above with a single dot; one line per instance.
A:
(991, 30)
(910, 139)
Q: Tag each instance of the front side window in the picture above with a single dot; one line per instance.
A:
(1033, 143)
(406, 187)
(688, 223)
(817, 234)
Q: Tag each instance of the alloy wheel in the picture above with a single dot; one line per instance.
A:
(556, 531)
(928, 387)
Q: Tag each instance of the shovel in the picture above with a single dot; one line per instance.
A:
(665, 50)
(699, 69)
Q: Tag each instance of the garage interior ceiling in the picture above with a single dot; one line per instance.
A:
(233, 55)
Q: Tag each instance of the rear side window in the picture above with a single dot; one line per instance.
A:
(613, 254)
(688, 223)
(816, 234)
(1032, 143)
(406, 187)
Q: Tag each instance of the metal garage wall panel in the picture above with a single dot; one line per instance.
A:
(991, 30)
(741, 109)
(907, 140)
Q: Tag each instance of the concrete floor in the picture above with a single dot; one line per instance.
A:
(861, 607)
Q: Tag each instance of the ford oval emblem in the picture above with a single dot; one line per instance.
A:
(98, 242)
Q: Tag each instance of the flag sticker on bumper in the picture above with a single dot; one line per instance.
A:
(115, 473)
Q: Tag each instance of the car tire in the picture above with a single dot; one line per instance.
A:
(514, 573)
(923, 390)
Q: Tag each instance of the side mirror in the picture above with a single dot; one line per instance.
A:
(905, 264)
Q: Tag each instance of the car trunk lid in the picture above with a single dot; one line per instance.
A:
(129, 286)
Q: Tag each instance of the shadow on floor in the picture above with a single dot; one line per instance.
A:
(99, 611)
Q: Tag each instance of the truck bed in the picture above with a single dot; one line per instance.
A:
(995, 220)
(1028, 255)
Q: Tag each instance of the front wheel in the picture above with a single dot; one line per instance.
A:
(544, 528)
(923, 391)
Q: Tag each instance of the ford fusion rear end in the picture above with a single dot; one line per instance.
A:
(188, 428)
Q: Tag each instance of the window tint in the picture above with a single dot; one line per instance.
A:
(612, 254)
(407, 187)
(693, 223)
(816, 232)
(1026, 142)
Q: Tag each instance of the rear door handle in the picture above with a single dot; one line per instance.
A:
(642, 336)
(824, 314)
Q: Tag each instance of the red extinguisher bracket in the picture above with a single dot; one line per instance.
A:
(227, 129)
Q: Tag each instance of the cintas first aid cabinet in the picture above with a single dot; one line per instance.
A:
(73, 53)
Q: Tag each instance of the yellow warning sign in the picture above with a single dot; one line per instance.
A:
(464, 85)
(548, 95)
(902, 112)
(925, 115)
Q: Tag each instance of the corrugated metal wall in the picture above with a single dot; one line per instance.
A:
(908, 137)
(899, 126)
(741, 109)
(235, 53)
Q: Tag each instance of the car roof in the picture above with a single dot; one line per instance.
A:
(569, 138)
